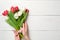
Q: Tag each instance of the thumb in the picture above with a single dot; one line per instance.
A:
(20, 30)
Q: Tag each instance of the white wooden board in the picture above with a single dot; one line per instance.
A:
(43, 20)
(34, 35)
(35, 7)
(36, 23)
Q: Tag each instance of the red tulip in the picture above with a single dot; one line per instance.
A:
(16, 8)
(26, 10)
(5, 13)
(12, 9)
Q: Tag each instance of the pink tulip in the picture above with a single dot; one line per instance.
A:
(16, 8)
(13, 9)
(5, 13)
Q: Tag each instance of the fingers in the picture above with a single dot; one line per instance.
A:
(16, 35)
(26, 26)
(20, 30)
(23, 26)
(23, 30)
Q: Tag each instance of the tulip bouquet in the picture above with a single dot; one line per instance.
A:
(16, 17)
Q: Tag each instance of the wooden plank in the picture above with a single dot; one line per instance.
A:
(35, 7)
(7, 35)
(44, 22)
(36, 23)
(34, 35)
(45, 35)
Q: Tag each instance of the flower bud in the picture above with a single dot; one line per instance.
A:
(19, 13)
(12, 9)
(16, 16)
(5, 13)
(16, 8)
(26, 10)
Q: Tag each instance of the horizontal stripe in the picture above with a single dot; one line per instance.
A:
(36, 23)
(35, 7)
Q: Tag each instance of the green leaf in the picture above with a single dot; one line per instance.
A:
(11, 17)
(12, 24)
(23, 19)
(19, 19)
(16, 23)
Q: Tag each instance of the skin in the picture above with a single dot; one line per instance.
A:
(24, 31)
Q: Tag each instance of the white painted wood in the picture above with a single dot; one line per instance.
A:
(34, 35)
(40, 0)
(45, 35)
(36, 23)
(35, 7)
(44, 22)
(6, 35)
(3, 24)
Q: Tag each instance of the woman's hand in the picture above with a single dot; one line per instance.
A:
(24, 31)
(16, 35)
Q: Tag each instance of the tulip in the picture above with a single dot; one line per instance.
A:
(12, 9)
(26, 10)
(16, 15)
(16, 8)
(20, 13)
(5, 13)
